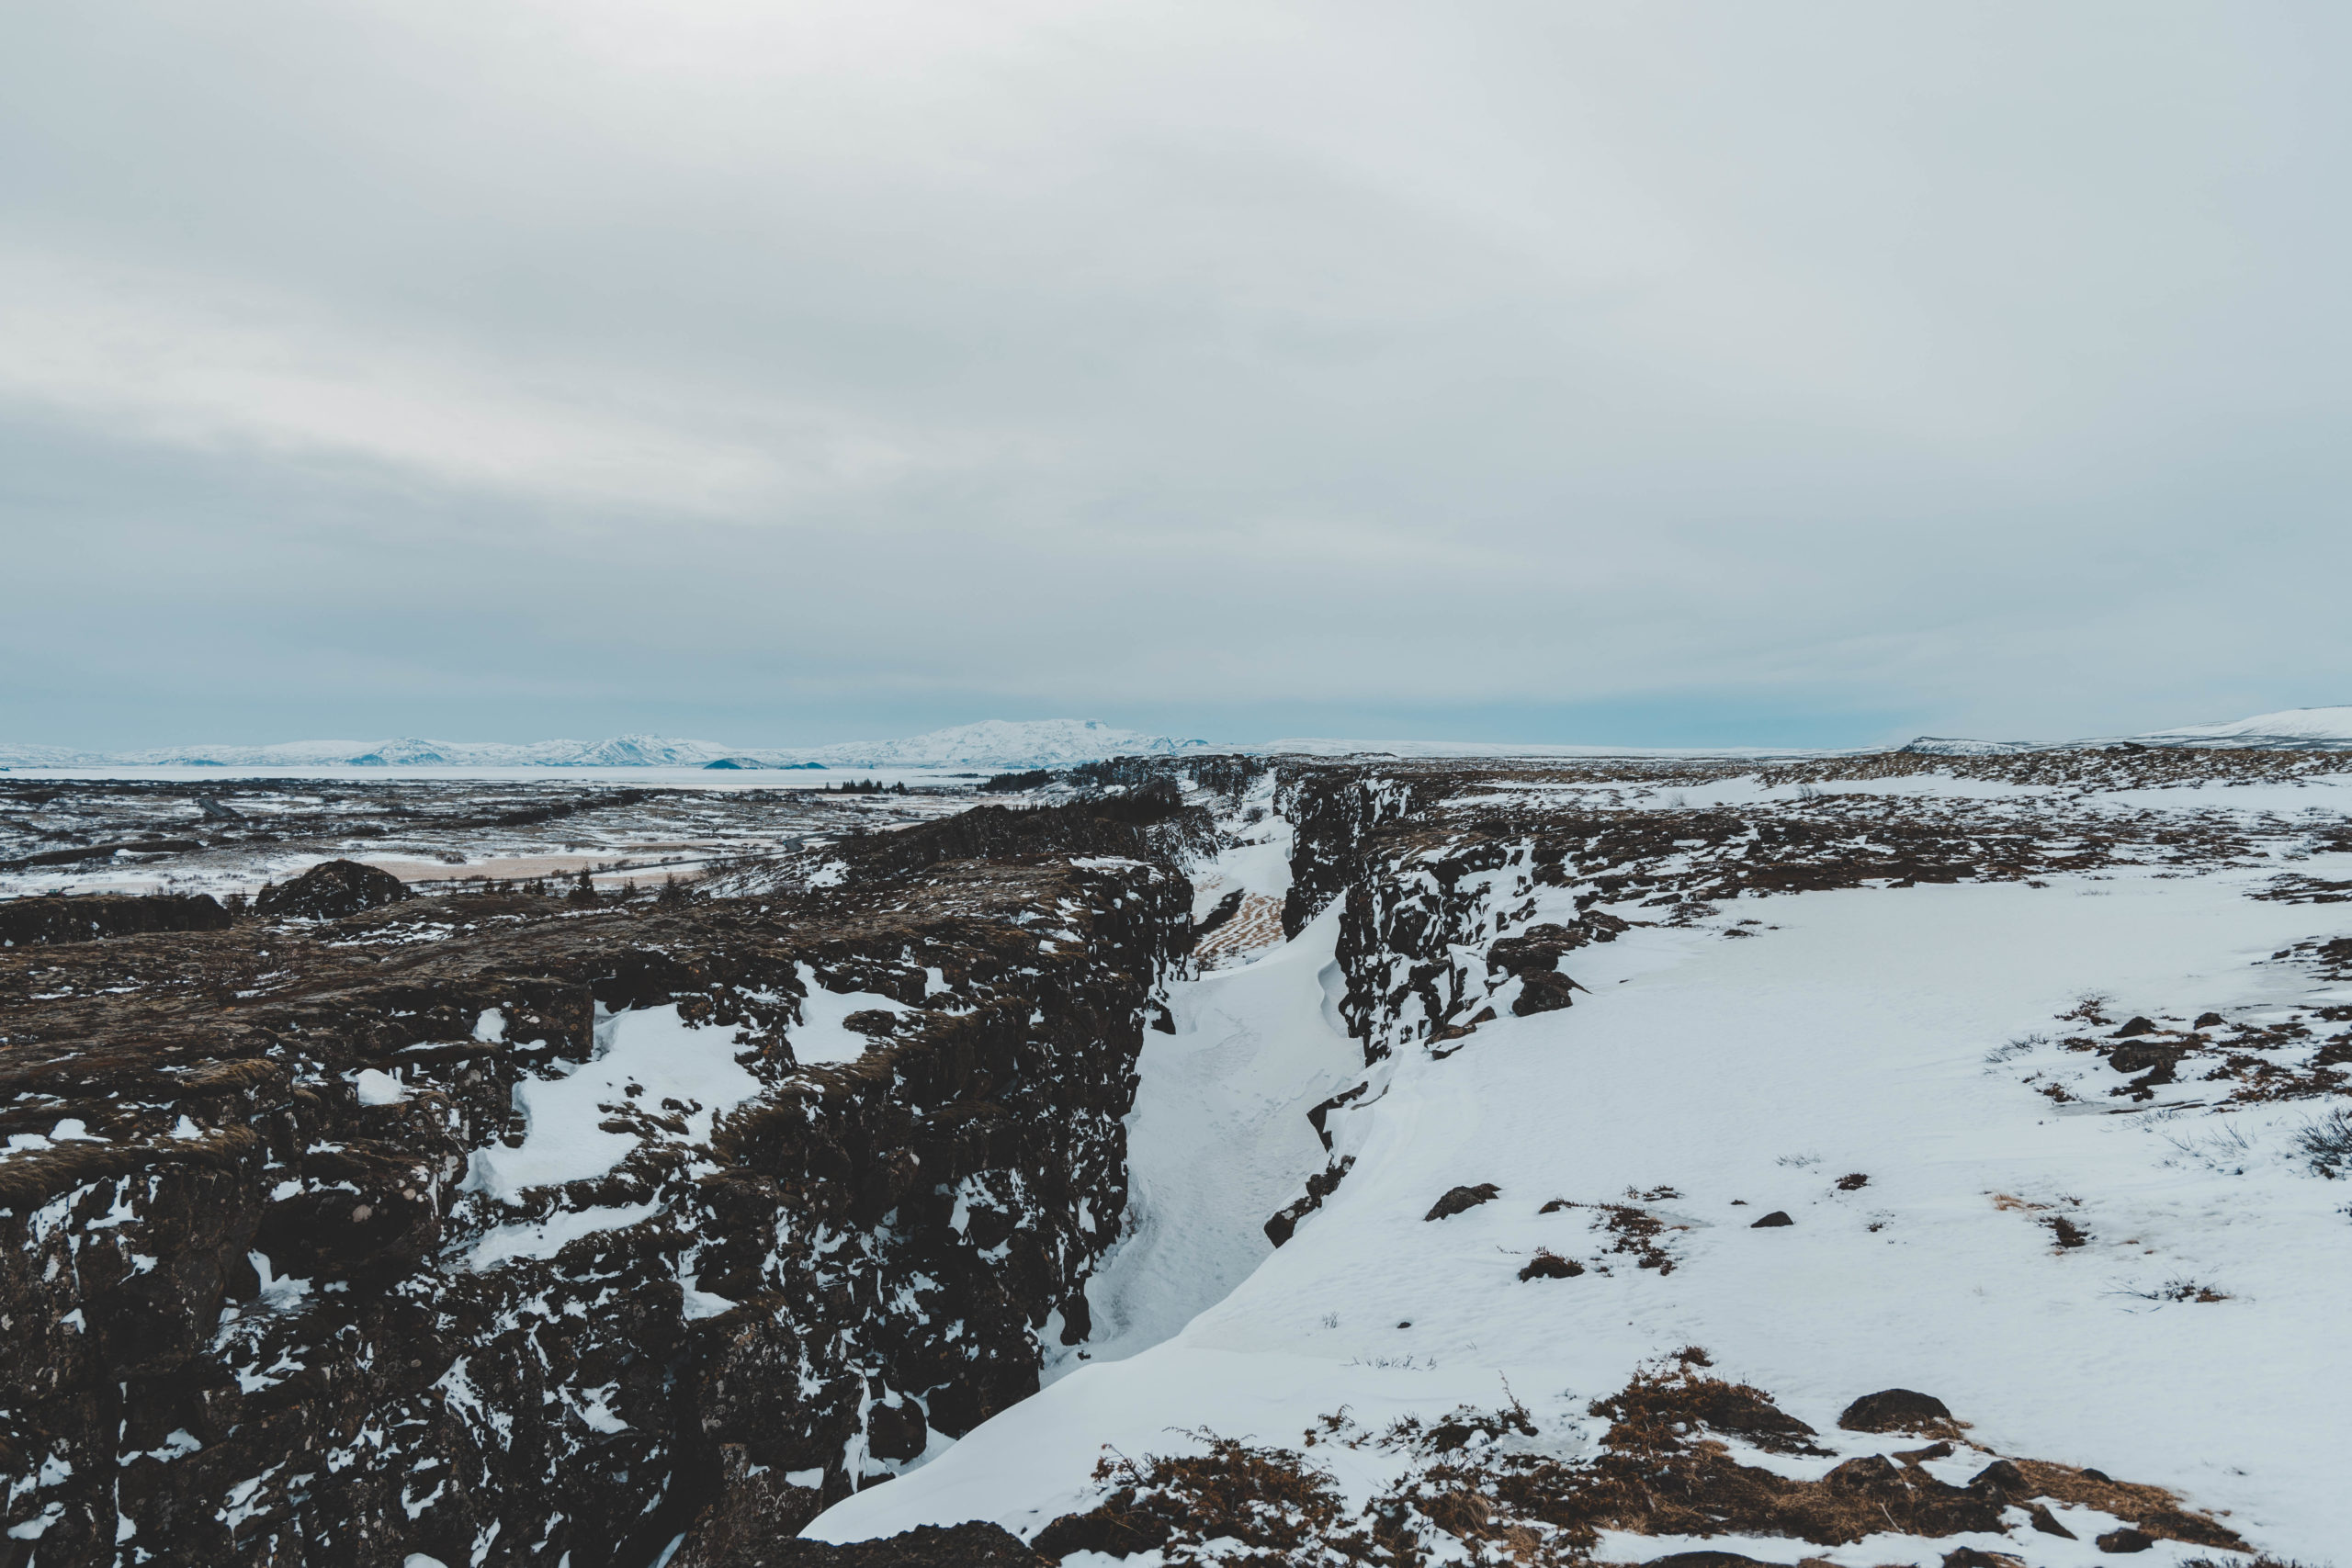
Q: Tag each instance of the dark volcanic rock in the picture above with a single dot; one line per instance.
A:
(25, 921)
(331, 890)
(1773, 1221)
(1543, 992)
(2003, 1480)
(1227, 908)
(1896, 1410)
(1320, 1186)
(2144, 1059)
(1459, 1198)
(262, 1317)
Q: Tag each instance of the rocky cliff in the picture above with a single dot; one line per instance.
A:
(299, 1263)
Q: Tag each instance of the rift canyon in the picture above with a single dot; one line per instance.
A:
(1927, 1157)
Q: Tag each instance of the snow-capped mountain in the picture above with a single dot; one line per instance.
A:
(996, 743)
(992, 743)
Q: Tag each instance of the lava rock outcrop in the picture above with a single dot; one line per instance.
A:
(94, 916)
(264, 1306)
(331, 890)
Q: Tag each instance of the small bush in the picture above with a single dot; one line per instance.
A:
(1549, 1264)
(2182, 1291)
(2326, 1143)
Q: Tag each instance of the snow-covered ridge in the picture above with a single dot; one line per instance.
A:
(1318, 746)
(2295, 730)
(992, 743)
(2328, 727)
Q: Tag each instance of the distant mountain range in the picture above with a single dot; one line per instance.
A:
(1058, 743)
(993, 743)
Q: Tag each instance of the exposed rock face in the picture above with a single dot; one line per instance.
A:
(1336, 809)
(270, 1302)
(331, 890)
(1321, 1185)
(1433, 863)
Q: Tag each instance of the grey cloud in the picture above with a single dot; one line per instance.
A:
(565, 368)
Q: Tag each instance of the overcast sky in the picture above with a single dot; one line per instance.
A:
(1801, 373)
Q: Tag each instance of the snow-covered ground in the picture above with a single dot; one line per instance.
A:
(1883, 1034)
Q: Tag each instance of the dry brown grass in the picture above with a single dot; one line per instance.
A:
(1255, 926)
(1476, 1490)
(1634, 1231)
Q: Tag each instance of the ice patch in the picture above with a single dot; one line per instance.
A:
(378, 1086)
(706, 1304)
(822, 1037)
(545, 1238)
(278, 1295)
(652, 1049)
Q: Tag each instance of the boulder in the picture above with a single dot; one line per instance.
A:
(1896, 1410)
(2003, 1480)
(1461, 1198)
(332, 889)
(1543, 991)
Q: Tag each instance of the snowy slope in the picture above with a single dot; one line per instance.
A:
(1864, 1033)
